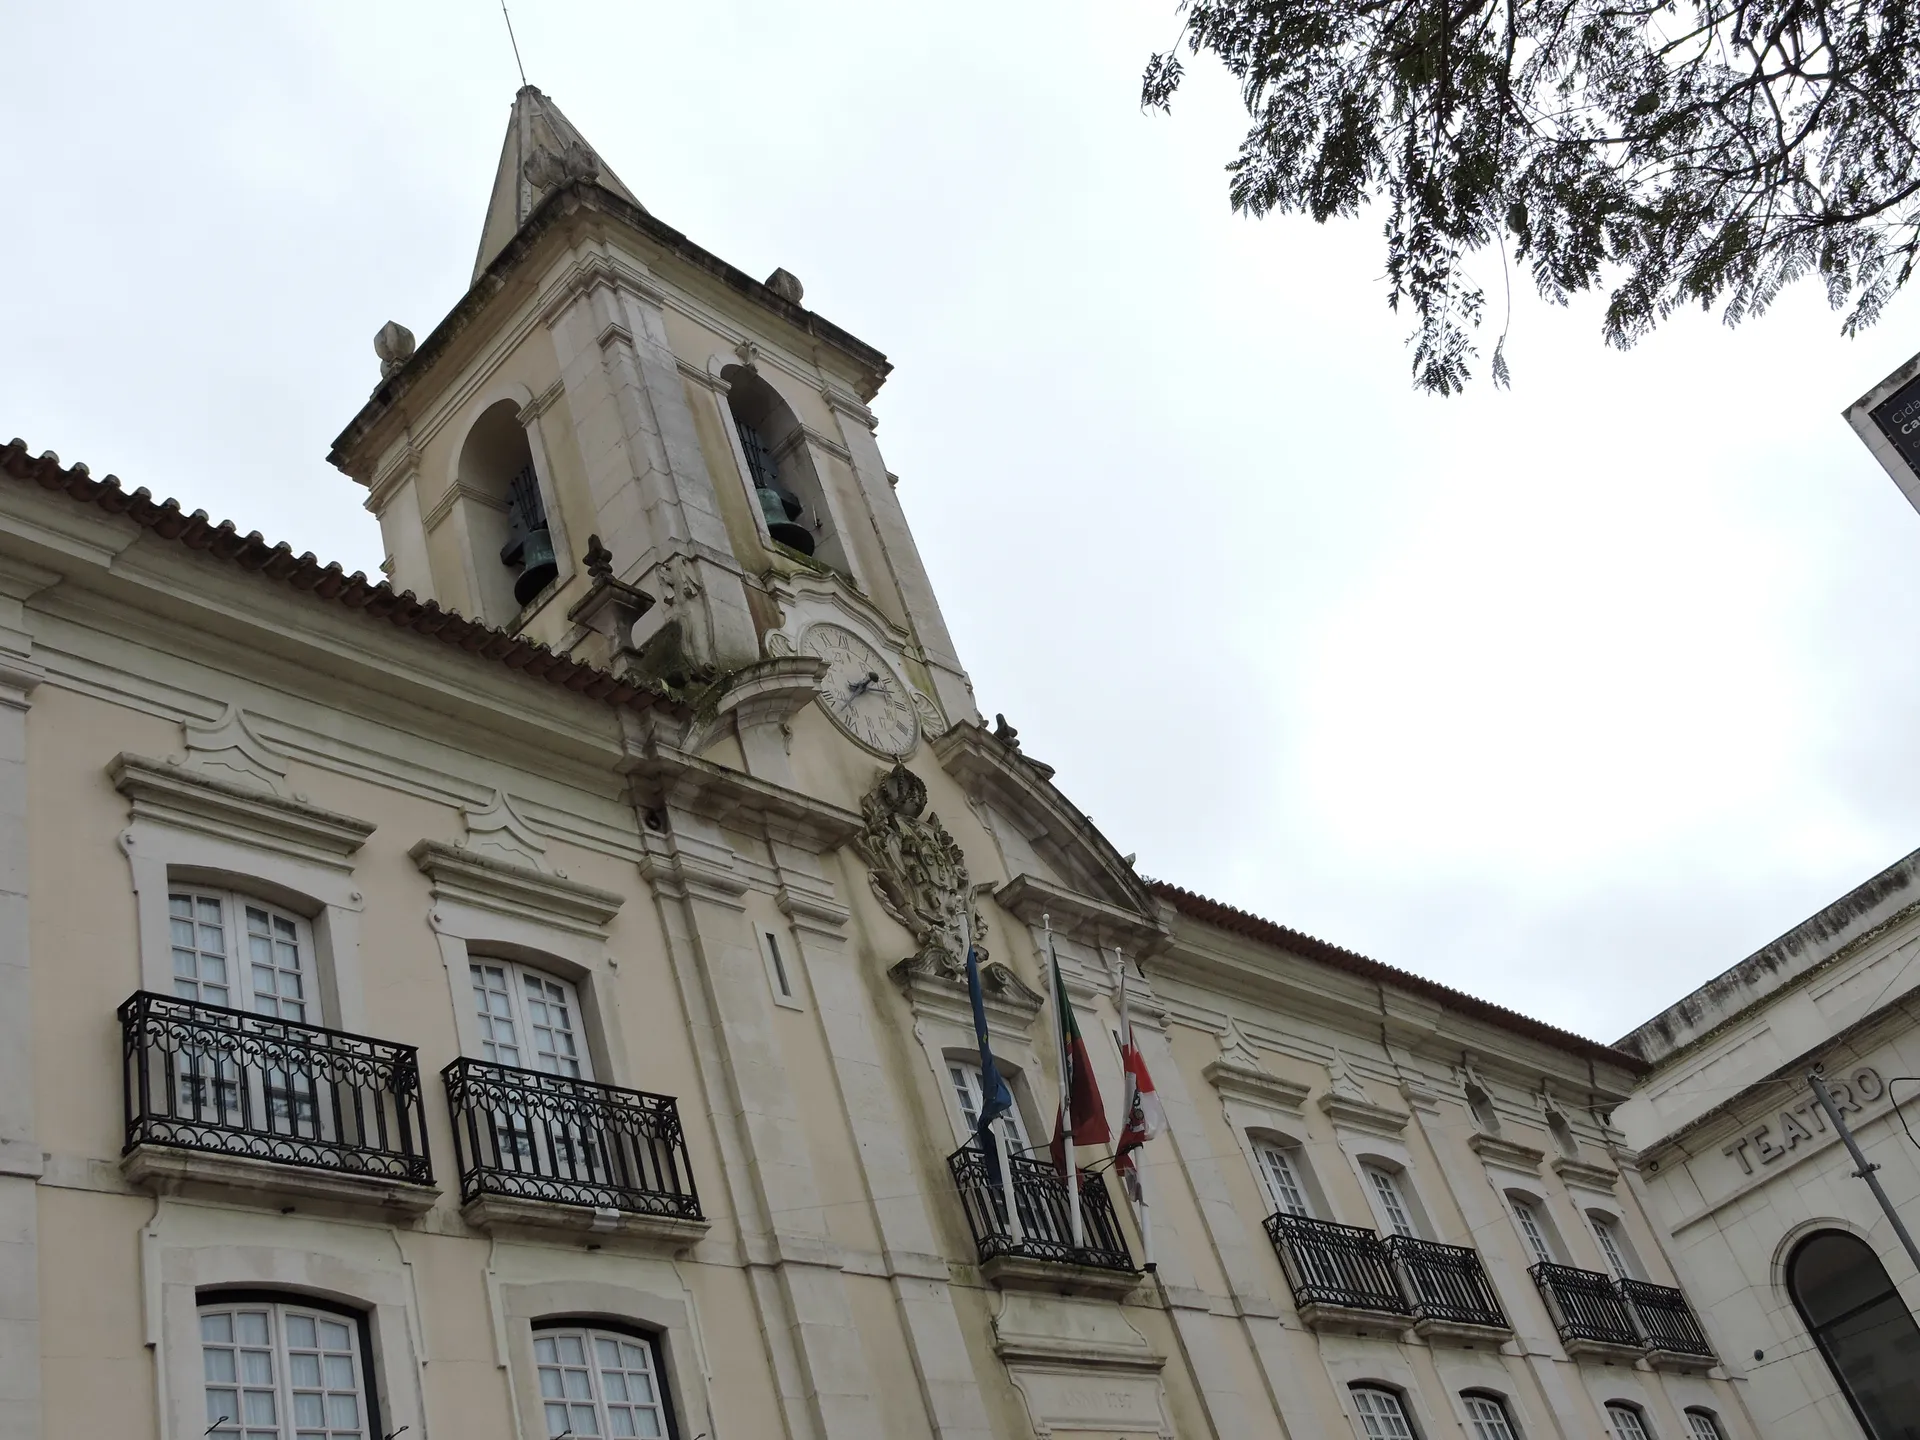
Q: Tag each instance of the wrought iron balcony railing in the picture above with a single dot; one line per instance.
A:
(1040, 1200)
(1329, 1264)
(1667, 1322)
(529, 1135)
(1445, 1284)
(229, 1082)
(1586, 1306)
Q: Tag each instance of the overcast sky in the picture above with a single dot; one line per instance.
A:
(1571, 696)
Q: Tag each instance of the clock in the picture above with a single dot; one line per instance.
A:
(860, 692)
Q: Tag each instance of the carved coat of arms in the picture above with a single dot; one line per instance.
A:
(918, 872)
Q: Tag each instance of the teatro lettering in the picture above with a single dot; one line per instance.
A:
(1805, 1120)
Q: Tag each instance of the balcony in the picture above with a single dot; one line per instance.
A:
(250, 1104)
(1448, 1291)
(1042, 1255)
(1342, 1276)
(1668, 1326)
(1589, 1312)
(545, 1150)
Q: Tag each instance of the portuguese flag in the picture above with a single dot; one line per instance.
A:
(1080, 1104)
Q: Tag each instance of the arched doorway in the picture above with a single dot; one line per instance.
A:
(1864, 1329)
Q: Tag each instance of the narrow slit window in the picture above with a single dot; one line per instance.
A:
(779, 967)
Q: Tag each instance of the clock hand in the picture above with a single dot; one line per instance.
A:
(860, 687)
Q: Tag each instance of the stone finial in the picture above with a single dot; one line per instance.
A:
(545, 169)
(393, 343)
(599, 559)
(1005, 733)
(784, 283)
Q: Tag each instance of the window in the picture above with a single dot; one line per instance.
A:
(1862, 1327)
(965, 1076)
(1532, 1226)
(504, 515)
(1702, 1426)
(1613, 1245)
(1627, 1422)
(1480, 1106)
(1563, 1137)
(596, 1384)
(1382, 1415)
(781, 476)
(1282, 1179)
(1487, 1416)
(1386, 1189)
(780, 980)
(287, 1371)
(528, 1019)
(241, 953)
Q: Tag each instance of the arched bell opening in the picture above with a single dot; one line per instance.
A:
(507, 527)
(780, 472)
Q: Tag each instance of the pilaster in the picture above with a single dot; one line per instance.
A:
(19, 1145)
(948, 1384)
(653, 498)
(826, 1387)
(909, 572)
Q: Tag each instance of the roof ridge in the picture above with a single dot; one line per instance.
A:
(376, 600)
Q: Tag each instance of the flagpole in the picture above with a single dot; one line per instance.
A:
(1143, 1210)
(1065, 1120)
(1014, 1229)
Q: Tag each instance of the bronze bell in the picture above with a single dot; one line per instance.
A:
(536, 555)
(782, 511)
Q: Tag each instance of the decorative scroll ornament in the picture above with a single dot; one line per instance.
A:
(918, 871)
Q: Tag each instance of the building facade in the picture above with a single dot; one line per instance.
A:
(525, 996)
(1754, 1193)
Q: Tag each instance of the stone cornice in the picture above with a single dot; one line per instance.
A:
(1011, 1004)
(1513, 1155)
(665, 775)
(1363, 1115)
(1579, 1172)
(487, 883)
(1236, 1080)
(1081, 917)
(167, 794)
(996, 775)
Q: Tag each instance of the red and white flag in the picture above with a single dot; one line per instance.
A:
(1144, 1118)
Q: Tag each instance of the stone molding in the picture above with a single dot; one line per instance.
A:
(1080, 917)
(1237, 1080)
(1580, 1173)
(1048, 1277)
(1363, 1115)
(994, 774)
(1510, 1153)
(487, 883)
(231, 749)
(164, 1170)
(669, 1234)
(1011, 1004)
(169, 794)
(663, 774)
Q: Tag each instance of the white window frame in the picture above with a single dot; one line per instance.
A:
(526, 1022)
(1280, 1172)
(1488, 1417)
(1613, 1245)
(580, 1389)
(963, 1081)
(1704, 1425)
(1528, 1218)
(236, 912)
(780, 960)
(1383, 1413)
(1396, 1212)
(270, 1368)
(1635, 1421)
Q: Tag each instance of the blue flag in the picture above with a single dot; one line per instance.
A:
(995, 1098)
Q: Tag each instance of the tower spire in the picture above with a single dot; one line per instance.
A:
(542, 151)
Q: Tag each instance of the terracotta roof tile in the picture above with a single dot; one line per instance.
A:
(378, 602)
(1253, 927)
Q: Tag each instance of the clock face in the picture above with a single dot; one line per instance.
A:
(860, 693)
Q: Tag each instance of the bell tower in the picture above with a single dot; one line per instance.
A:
(620, 445)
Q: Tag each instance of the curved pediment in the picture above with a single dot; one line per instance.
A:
(994, 773)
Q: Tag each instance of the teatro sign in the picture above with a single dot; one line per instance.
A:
(1801, 1122)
